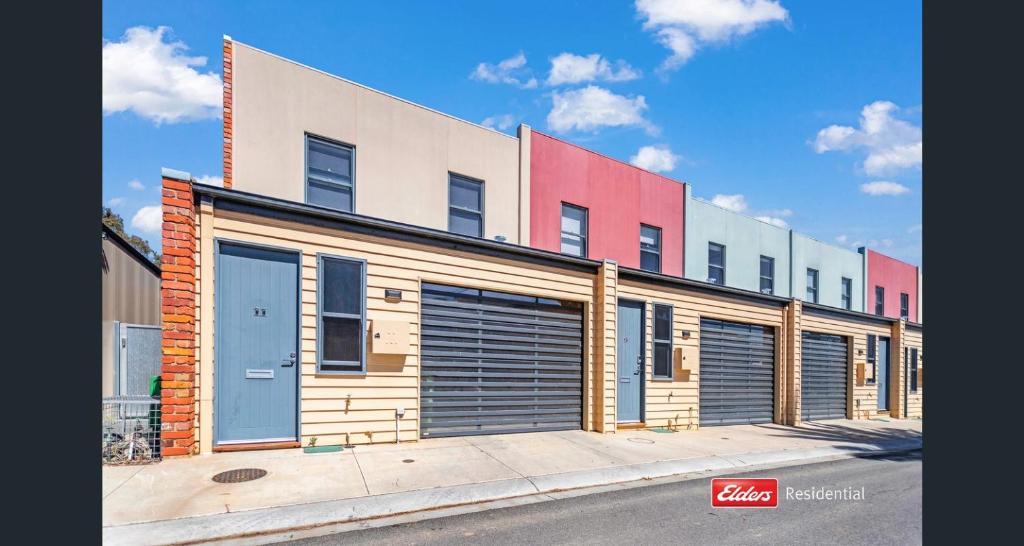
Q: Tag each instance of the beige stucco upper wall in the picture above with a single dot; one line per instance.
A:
(404, 152)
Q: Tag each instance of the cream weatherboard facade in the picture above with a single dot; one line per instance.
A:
(403, 152)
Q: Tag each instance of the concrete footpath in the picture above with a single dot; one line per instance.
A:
(175, 501)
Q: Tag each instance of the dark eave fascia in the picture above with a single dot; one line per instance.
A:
(112, 236)
(271, 207)
(700, 286)
(850, 314)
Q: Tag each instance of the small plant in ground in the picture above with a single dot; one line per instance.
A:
(312, 442)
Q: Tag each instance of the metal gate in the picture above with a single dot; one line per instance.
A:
(495, 363)
(737, 373)
(138, 358)
(823, 376)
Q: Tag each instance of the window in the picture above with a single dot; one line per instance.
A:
(330, 181)
(662, 341)
(913, 370)
(465, 205)
(767, 275)
(872, 349)
(341, 321)
(812, 285)
(879, 301)
(716, 263)
(904, 306)
(847, 294)
(650, 248)
(574, 230)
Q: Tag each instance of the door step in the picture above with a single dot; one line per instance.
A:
(255, 447)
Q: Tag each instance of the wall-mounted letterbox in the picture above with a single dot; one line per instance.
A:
(389, 337)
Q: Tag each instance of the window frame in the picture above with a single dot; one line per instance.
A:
(904, 306)
(305, 158)
(879, 301)
(771, 277)
(913, 369)
(658, 253)
(585, 225)
(846, 299)
(448, 189)
(722, 267)
(872, 359)
(320, 314)
(817, 284)
(655, 341)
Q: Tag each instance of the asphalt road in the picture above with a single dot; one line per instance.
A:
(681, 512)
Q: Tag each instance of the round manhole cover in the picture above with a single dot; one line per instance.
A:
(408, 460)
(239, 475)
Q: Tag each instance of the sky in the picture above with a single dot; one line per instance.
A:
(803, 113)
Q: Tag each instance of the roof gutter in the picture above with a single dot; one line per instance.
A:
(706, 287)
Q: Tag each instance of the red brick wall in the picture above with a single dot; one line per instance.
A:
(177, 311)
(227, 112)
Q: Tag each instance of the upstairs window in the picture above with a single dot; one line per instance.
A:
(879, 301)
(465, 205)
(330, 176)
(574, 230)
(847, 293)
(904, 306)
(767, 275)
(716, 263)
(650, 248)
(812, 285)
(341, 321)
(662, 341)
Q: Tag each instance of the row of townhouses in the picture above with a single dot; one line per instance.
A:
(373, 270)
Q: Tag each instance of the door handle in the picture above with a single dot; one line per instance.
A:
(639, 363)
(290, 361)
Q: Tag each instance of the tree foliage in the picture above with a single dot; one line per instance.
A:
(114, 221)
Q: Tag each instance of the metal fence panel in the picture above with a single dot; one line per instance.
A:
(131, 430)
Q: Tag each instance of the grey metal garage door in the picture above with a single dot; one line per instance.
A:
(498, 363)
(822, 376)
(737, 373)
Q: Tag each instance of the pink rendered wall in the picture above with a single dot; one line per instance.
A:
(895, 276)
(618, 197)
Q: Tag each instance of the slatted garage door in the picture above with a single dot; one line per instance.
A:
(737, 373)
(498, 363)
(822, 376)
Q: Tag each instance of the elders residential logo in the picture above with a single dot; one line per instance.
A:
(752, 493)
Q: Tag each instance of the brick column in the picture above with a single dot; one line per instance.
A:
(793, 342)
(228, 110)
(177, 315)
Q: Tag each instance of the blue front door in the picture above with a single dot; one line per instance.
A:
(630, 364)
(256, 345)
(883, 373)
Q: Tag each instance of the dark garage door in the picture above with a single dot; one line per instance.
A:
(737, 373)
(822, 376)
(498, 363)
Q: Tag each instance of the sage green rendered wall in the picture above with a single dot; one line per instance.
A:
(833, 263)
(745, 240)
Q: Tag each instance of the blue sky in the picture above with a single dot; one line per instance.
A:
(808, 110)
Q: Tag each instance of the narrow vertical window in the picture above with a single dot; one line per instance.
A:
(879, 301)
(872, 350)
(904, 306)
(812, 285)
(716, 263)
(913, 370)
(662, 341)
(574, 230)
(330, 177)
(341, 321)
(465, 205)
(847, 294)
(767, 275)
(650, 248)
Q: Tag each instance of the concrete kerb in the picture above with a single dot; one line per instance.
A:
(262, 523)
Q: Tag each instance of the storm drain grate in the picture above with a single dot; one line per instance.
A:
(239, 475)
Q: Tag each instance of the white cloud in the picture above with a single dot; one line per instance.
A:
(735, 203)
(842, 239)
(210, 180)
(148, 219)
(116, 202)
(683, 26)
(570, 68)
(891, 144)
(781, 213)
(500, 122)
(656, 159)
(916, 228)
(593, 107)
(511, 71)
(777, 222)
(882, 187)
(156, 79)
(886, 243)
(136, 185)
